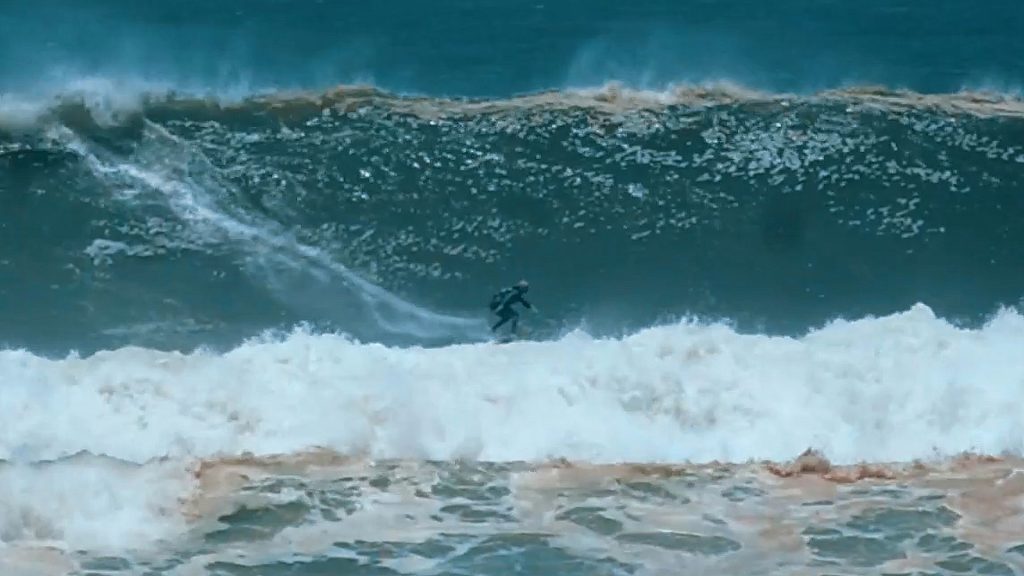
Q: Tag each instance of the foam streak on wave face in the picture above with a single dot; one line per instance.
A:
(896, 388)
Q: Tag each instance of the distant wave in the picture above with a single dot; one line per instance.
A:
(111, 103)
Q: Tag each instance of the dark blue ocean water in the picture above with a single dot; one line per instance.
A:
(499, 48)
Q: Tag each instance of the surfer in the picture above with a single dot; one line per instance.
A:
(501, 304)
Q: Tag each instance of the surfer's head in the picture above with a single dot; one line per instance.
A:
(523, 286)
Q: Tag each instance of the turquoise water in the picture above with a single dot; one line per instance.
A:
(496, 49)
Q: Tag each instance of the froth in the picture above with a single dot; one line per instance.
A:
(93, 503)
(897, 388)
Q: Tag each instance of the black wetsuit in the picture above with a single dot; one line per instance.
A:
(504, 310)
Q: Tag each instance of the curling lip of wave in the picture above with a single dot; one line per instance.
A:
(111, 103)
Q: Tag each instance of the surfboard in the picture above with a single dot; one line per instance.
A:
(506, 338)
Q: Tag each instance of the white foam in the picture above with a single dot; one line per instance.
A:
(890, 389)
(90, 503)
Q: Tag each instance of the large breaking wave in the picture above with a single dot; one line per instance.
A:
(176, 221)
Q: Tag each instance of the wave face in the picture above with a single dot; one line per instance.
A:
(177, 222)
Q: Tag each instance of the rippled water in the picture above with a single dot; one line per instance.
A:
(327, 514)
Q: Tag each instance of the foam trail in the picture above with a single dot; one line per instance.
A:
(184, 178)
(897, 388)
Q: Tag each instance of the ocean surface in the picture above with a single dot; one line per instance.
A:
(776, 252)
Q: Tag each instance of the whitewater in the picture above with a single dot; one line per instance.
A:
(899, 388)
(159, 443)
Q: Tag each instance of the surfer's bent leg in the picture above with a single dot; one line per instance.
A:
(504, 315)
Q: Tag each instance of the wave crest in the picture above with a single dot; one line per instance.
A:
(110, 103)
